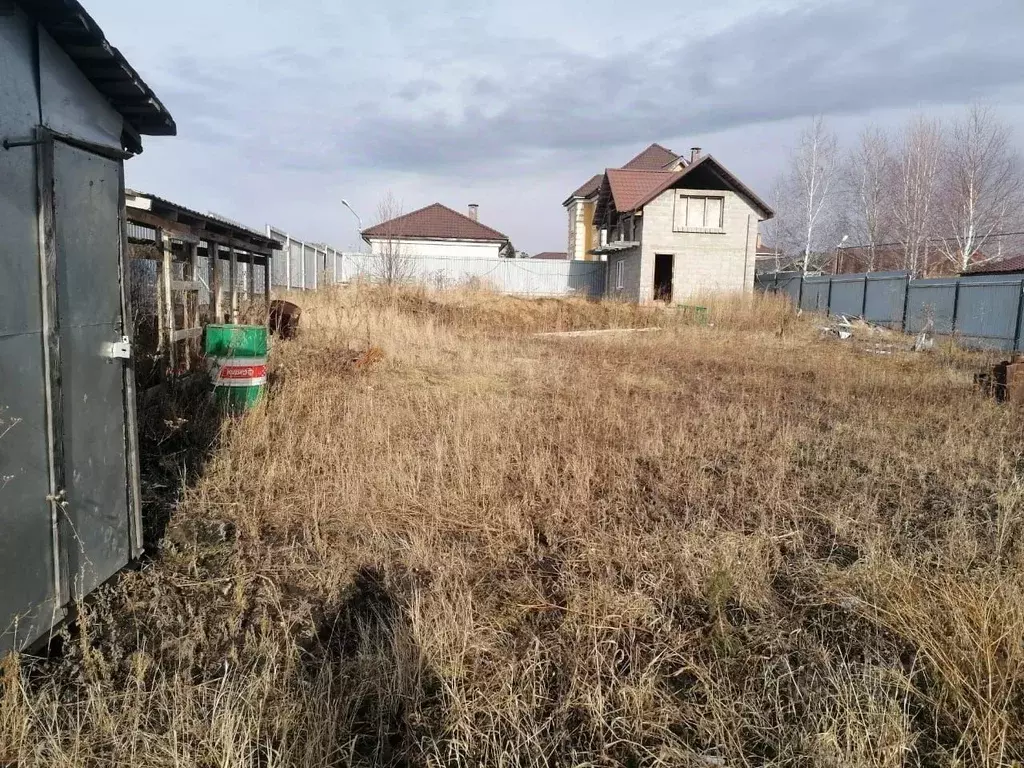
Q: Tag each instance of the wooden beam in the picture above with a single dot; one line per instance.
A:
(169, 226)
(187, 333)
(186, 285)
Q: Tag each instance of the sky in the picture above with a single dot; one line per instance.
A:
(285, 109)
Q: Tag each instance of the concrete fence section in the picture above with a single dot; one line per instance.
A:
(983, 311)
(300, 265)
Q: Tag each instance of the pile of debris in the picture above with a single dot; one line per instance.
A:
(1005, 381)
(843, 328)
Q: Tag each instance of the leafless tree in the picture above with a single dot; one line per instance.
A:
(866, 178)
(813, 183)
(777, 230)
(982, 186)
(392, 263)
(914, 181)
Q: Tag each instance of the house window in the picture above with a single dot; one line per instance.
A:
(698, 213)
(619, 269)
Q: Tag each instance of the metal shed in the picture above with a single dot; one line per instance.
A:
(71, 110)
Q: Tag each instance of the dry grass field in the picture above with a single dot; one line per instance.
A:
(738, 544)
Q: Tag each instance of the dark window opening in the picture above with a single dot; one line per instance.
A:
(663, 276)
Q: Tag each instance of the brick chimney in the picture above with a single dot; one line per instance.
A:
(474, 212)
(694, 154)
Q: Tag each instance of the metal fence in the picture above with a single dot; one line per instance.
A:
(300, 265)
(981, 310)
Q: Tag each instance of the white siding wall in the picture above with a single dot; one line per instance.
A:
(631, 261)
(703, 261)
(452, 249)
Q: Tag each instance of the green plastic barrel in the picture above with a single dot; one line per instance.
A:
(237, 355)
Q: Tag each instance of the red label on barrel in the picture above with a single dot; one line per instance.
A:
(243, 371)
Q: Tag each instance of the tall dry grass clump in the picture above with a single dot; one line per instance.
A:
(732, 543)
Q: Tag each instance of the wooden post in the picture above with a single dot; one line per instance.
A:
(161, 313)
(213, 253)
(252, 277)
(266, 290)
(233, 295)
(165, 245)
(192, 303)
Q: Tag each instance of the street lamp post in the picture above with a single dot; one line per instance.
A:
(835, 269)
(359, 221)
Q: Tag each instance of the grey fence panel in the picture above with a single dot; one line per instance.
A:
(885, 299)
(295, 266)
(513, 276)
(279, 272)
(311, 270)
(847, 296)
(789, 285)
(931, 301)
(815, 294)
(987, 312)
(982, 310)
(766, 283)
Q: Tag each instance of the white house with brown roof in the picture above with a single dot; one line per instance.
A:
(437, 230)
(583, 235)
(672, 234)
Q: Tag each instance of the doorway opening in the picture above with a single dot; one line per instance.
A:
(663, 277)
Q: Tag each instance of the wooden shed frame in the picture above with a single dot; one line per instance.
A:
(183, 235)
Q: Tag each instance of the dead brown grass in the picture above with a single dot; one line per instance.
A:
(735, 544)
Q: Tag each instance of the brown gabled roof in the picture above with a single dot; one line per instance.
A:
(630, 186)
(589, 187)
(1001, 267)
(654, 158)
(435, 222)
(630, 190)
(551, 255)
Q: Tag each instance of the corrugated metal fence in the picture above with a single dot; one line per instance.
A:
(307, 266)
(981, 310)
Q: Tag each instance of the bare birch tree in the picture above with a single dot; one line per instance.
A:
(392, 264)
(866, 180)
(915, 177)
(814, 175)
(982, 190)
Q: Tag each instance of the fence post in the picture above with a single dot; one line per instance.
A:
(906, 301)
(1016, 328)
(956, 307)
(302, 264)
(288, 262)
(864, 300)
(800, 292)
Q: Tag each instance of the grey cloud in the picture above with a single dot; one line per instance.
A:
(501, 101)
(837, 58)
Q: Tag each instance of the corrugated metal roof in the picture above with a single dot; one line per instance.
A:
(161, 206)
(74, 30)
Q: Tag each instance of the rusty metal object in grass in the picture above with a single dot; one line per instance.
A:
(1004, 381)
(284, 318)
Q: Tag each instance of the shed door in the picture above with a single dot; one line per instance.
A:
(95, 531)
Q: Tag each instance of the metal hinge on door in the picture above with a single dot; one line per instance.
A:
(119, 349)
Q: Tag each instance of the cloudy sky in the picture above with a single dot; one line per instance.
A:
(283, 109)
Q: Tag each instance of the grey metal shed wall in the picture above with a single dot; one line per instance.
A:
(27, 588)
(36, 79)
